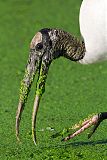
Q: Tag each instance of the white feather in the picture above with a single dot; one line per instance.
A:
(93, 27)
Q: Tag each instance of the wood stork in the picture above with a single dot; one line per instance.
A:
(49, 44)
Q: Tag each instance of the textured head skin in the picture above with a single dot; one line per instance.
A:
(53, 43)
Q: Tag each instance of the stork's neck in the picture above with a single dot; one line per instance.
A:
(67, 45)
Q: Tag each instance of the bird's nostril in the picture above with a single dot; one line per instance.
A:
(50, 43)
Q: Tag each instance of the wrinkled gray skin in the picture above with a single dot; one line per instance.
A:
(46, 45)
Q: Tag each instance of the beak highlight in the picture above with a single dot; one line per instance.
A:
(18, 117)
(34, 115)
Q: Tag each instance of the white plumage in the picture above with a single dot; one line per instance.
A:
(93, 27)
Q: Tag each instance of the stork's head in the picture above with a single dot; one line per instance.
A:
(41, 43)
(44, 45)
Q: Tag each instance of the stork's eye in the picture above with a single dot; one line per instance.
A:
(39, 46)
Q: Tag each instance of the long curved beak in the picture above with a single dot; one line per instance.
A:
(30, 71)
(34, 64)
(39, 92)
